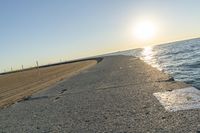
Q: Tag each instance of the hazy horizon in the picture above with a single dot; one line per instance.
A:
(48, 31)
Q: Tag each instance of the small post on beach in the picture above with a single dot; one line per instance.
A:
(37, 67)
(22, 67)
(11, 69)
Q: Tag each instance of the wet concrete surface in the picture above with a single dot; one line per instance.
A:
(116, 95)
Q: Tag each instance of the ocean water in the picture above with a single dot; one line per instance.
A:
(179, 59)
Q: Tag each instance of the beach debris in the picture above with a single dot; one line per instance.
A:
(167, 80)
(63, 90)
(25, 98)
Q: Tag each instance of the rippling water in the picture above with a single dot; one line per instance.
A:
(180, 59)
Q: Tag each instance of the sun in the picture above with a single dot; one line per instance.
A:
(144, 30)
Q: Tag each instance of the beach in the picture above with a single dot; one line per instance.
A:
(20, 85)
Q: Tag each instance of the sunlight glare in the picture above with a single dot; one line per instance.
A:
(148, 55)
(144, 30)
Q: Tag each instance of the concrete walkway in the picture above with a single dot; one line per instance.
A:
(114, 96)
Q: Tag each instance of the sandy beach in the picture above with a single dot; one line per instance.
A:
(19, 86)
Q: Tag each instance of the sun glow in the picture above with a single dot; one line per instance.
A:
(145, 30)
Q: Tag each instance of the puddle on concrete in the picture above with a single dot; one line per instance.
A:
(181, 99)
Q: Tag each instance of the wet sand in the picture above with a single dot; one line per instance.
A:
(19, 86)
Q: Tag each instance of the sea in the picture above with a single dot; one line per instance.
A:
(180, 59)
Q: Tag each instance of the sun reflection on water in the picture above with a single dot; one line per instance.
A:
(148, 55)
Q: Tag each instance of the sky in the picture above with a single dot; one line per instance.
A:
(48, 31)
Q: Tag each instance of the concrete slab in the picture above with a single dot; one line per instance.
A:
(180, 99)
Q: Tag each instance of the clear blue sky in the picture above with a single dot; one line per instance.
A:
(50, 30)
